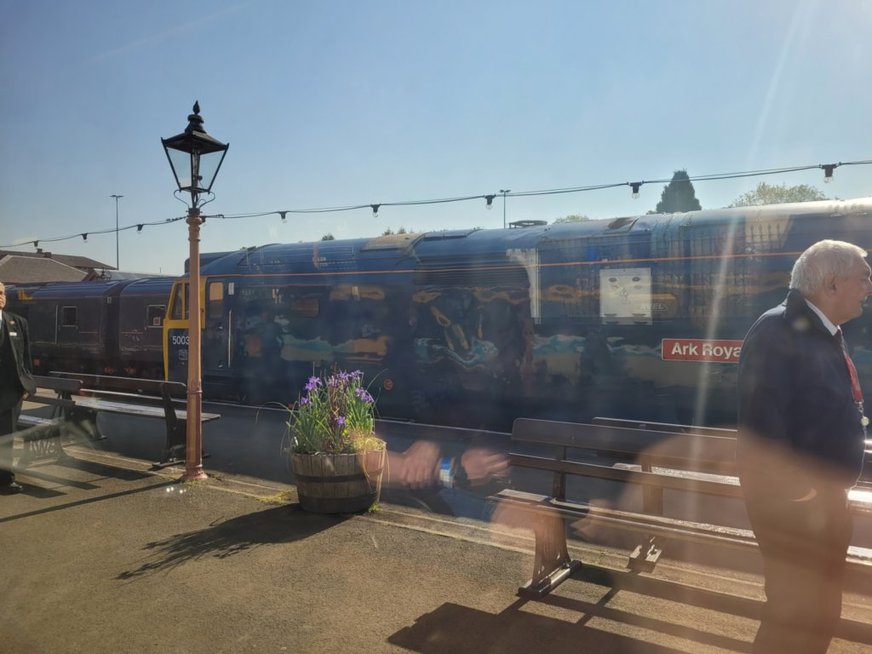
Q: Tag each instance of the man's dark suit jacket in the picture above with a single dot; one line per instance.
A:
(795, 392)
(17, 336)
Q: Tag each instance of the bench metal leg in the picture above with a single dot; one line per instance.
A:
(551, 564)
(174, 449)
(645, 556)
(84, 423)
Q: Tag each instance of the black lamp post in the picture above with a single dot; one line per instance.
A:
(195, 158)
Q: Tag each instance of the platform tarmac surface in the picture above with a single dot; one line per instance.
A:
(101, 554)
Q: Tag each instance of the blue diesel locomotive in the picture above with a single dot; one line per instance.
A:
(638, 317)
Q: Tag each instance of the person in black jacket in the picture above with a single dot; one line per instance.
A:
(15, 381)
(801, 444)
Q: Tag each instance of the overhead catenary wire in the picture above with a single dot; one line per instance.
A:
(487, 197)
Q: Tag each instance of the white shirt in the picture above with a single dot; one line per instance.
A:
(826, 321)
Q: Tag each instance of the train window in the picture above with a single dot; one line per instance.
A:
(69, 317)
(215, 301)
(625, 295)
(178, 310)
(154, 315)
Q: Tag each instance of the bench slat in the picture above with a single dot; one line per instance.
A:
(50, 400)
(32, 421)
(726, 488)
(111, 406)
(712, 452)
(58, 385)
(668, 427)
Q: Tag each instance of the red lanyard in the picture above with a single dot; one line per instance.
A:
(852, 371)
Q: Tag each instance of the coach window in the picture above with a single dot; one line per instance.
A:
(154, 315)
(69, 317)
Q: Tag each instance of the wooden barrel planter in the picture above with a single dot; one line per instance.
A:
(338, 483)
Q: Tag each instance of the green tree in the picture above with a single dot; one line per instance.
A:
(678, 195)
(573, 218)
(389, 231)
(769, 194)
(328, 237)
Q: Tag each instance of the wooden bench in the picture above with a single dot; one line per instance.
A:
(43, 436)
(686, 461)
(146, 398)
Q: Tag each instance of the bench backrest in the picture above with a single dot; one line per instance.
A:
(695, 453)
(64, 386)
(672, 428)
(682, 451)
(688, 453)
(125, 384)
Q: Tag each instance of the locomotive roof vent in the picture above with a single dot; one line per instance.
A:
(618, 223)
(517, 224)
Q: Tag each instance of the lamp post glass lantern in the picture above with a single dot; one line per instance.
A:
(195, 159)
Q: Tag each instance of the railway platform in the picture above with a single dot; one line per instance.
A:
(102, 554)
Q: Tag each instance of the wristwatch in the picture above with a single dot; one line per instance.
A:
(447, 471)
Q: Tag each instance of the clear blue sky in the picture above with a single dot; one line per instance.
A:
(334, 103)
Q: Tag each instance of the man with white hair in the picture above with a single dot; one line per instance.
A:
(801, 444)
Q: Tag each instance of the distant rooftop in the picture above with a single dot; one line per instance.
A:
(69, 259)
(39, 266)
(16, 269)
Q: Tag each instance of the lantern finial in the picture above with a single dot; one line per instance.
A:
(195, 120)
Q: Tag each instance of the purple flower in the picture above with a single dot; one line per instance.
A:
(304, 401)
(340, 420)
(363, 395)
(313, 383)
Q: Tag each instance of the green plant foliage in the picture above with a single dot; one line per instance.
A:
(678, 195)
(778, 194)
(335, 415)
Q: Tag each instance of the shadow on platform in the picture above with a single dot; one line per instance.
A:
(454, 628)
(281, 524)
